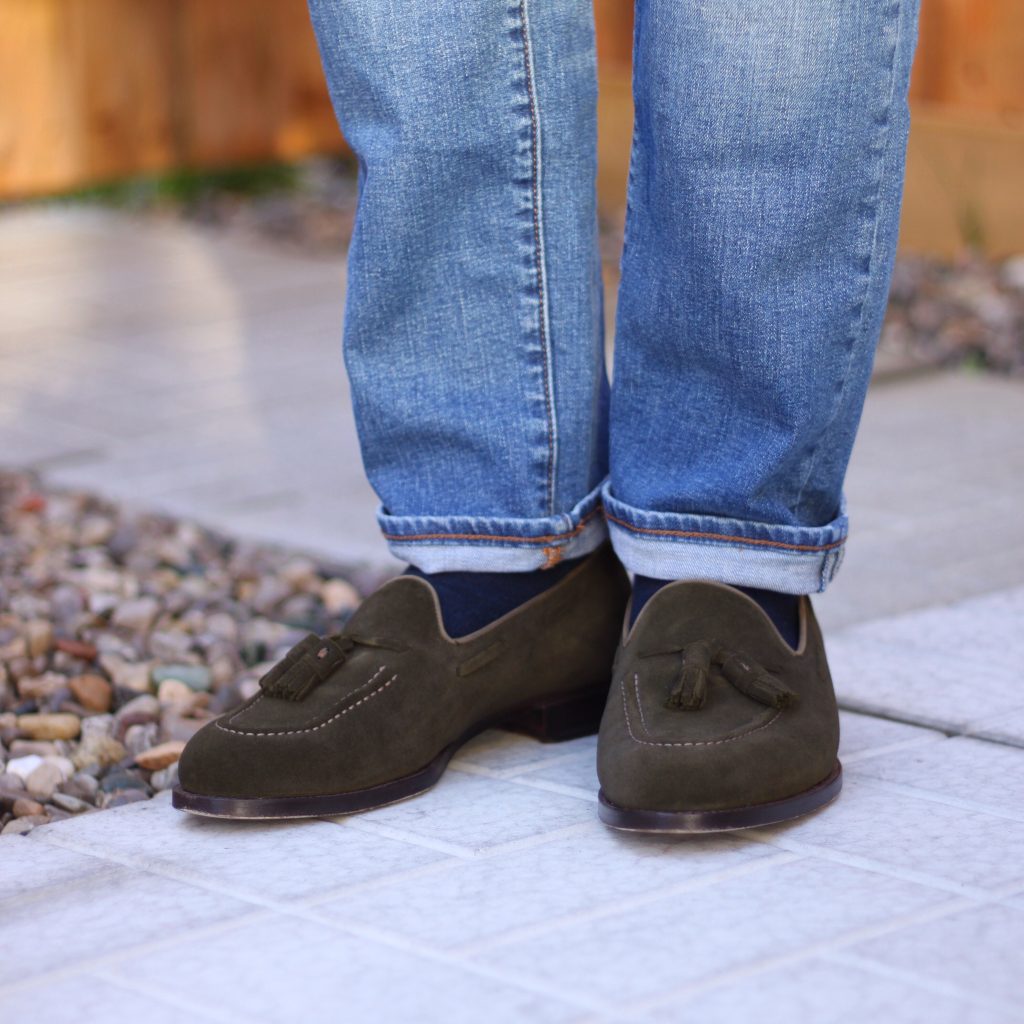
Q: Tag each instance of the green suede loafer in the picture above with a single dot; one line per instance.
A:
(373, 715)
(713, 721)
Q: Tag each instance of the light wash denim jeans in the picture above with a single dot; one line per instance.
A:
(764, 195)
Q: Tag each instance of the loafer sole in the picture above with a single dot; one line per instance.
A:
(726, 820)
(557, 718)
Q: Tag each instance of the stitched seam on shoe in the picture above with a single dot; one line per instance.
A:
(314, 728)
(687, 743)
(327, 711)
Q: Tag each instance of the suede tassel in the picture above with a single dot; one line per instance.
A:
(303, 668)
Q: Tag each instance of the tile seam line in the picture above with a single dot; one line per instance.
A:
(297, 913)
(819, 950)
(515, 936)
(879, 969)
(170, 1000)
(938, 798)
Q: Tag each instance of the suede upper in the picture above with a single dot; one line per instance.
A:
(710, 709)
(396, 690)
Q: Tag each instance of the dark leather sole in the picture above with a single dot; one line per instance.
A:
(551, 721)
(688, 822)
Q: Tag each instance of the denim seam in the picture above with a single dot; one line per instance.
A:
(881, 152)
(537, 202)
(700, 534)
(542, 539)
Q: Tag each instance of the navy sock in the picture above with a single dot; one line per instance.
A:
(471, 600)
(782, 609)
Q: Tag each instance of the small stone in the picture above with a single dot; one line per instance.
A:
(129, 796)
(178, 727)
(97, 725)
(24, 806)
(23, 767)
(50, 727)
(102, 604)
(165, 778)
(22, 748)
(69, 803)
(44, 781)
(339, 596)
(93, 692)
(299, 573)
(174, 691)
(94, 530)
(41, 687)
(144, 708)
(196, 677)
(98, 750)
(130, 675)
(82, 786)
(121, 779)
(9, 782)
(170, 645)
(160, 756)
(138, 738)
(18, 827)
(63, 764)
(222, 626)
(38, 637)
(77, 648)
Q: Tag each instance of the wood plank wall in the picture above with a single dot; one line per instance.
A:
(92, 90)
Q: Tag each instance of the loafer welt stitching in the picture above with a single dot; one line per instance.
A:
(688, 743)
(314, 728)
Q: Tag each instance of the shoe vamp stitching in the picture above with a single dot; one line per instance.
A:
(679, 743)
(326, 721)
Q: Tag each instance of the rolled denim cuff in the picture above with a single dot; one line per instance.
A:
(493, 544)
(676, 545)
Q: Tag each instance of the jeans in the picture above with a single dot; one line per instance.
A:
(765, 184)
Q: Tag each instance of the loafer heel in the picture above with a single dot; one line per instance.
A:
(560, 718)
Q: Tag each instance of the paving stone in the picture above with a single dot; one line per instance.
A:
(83, 997)
(102, 914)
(27, 866)
(521, 888)
(824, 993)
(333, 974)
(906, 833)
(697, 934)
(987, 776)
(474, 813)
(276, 860)
(977, 949)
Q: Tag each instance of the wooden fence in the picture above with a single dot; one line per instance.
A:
(92, 90)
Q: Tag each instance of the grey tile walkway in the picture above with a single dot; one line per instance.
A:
(145, 362)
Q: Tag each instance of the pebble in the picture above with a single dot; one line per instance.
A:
(161, 756)
(44, 781)
(18, 827)
(339, 596)
(41, 687)
(165, 778)
(77, 649)
(138, 738)
(196, 677)
(119, 799)
(98, 750)
(38, 637)
(174, 691)
(50, 727)
(11, 782)
(24, 806)
(93, 692)
(144, 708)
(23, 767)
(43, 748)
(84, 787)
(69, 803)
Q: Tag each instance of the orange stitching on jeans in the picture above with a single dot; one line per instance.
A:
(724, 536)
(546, 539)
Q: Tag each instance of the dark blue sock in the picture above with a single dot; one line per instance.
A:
(782, 609)
(471, 600)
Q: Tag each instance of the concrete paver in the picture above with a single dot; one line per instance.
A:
(164, 366)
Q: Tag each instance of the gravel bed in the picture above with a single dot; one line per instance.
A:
(122, 633)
